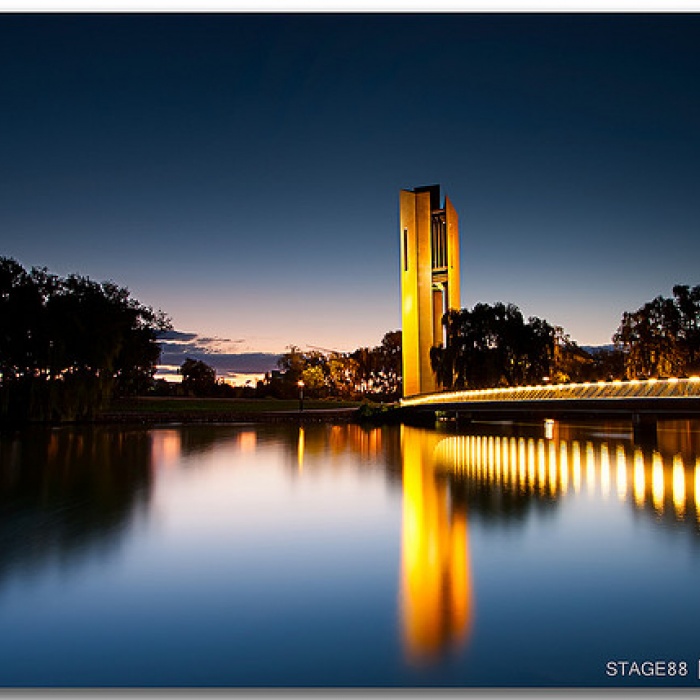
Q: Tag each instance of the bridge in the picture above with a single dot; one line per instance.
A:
(642, 401)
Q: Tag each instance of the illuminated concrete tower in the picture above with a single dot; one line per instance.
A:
(429, 280)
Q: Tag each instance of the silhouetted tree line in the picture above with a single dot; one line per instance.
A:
(67, 345)
(492, 346)
(662, 338)
(365, 372)
(199, 379)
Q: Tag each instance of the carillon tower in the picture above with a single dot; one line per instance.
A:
(429, 280)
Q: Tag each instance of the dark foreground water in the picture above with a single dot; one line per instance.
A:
(508, 555)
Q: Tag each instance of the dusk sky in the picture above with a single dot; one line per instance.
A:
(242, 172)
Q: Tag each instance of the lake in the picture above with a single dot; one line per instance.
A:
(500, 554)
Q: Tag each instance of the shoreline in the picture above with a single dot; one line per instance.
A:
(332, 415)
(145, 411)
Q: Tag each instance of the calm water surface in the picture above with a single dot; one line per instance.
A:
(256, 555)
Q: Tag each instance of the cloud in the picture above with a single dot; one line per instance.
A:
(208, 341)
(176, 335)
(227, 363)
(177, 346)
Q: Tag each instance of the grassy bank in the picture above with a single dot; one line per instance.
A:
(192, 405)
(157, 409)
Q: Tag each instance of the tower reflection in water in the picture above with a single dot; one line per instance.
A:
(445, 475)
(435, 598)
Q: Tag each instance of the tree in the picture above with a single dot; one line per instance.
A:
(374, 372)
(662, 338)
(198, 378)
(687, 302)
(492, 346)
(68, 344)
(378, 369)
(314, 380)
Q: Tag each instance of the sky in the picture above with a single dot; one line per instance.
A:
(241, 172)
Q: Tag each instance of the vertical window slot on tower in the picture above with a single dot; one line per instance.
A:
(405, 250)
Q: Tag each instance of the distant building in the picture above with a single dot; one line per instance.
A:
(429, 233)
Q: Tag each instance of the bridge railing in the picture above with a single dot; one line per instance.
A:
(634, 388)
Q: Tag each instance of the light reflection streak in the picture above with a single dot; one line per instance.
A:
(678, 486)
(590, 467)
(621, 475)
(604, 470)
(531, 461)
(576, 459)
(639, 478)
(657, 482)
(697, 489)
(436, 588)
(166, 447)
(552, 483)
(564, 466)
(541, 467)
(529, 466)
(247, 441)
(300, 450)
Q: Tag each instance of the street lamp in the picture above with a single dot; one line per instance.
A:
(300, 384)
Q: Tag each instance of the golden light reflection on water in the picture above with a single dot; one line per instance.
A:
(657, 482)
(697, 489)
(247, 441)
(590, 466)
(639, 478)
(436, 595)
(166, 448)
(678, 486)
(576, 459)
(553, 467)
(436, 587)
(621, 476)
(300, 450)
(604, 470)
